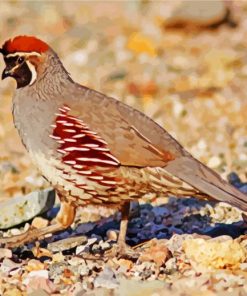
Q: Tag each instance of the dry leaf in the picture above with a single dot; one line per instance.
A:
(157, 252)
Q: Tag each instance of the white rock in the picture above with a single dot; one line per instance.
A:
(80, 249)
(39, 222)
(200, 13)
(112, 234)
(23, 208)
(7, 265)
(5, 253)
(36, 273)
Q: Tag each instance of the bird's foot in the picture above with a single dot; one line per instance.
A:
(64, 219)
(19, 240)
(32, 234)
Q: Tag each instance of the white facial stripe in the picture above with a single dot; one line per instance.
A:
(33, 71)
(23, 54)
(14, 68)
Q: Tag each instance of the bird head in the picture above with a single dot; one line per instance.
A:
(23, 56)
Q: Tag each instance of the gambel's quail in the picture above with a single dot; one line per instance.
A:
(93, 149)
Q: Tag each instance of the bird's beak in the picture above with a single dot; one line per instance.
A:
(7, 72)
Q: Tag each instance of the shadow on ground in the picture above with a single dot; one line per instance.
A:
(178, 216)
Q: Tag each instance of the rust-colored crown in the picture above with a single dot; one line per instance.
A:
(24, 44)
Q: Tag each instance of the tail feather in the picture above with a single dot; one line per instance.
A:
(206, 180)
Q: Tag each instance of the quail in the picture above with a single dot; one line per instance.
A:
(94, 149)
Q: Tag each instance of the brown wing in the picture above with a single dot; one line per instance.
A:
(133, 138)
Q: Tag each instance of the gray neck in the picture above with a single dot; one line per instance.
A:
(53, 79)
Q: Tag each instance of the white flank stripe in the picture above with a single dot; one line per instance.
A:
(69, 130)
(76, 149)
(85, 172)
(100, 140)
(61, 121)
(97, 177)
(101, 149)
(80, 121)
(96, 160)
(109, 182)
(79, 126)
(91, 145)
(53, 125)
(68, 123)
(78, 136)
(66, 108)
(69, 162)
(72, 118)
(61, 151)
(91, 133)
(111, 156)
(60, 141)
(77, 166)
(62, 115)
(70, 140)
(61, 109)
(54, 137)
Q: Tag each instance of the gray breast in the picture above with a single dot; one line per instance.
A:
(33, 118)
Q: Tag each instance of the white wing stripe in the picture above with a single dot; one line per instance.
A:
(76, 149)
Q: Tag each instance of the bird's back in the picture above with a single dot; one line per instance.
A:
(133, 140)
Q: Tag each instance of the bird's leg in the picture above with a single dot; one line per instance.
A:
(123, 228)
(122, 249)
(64, 219)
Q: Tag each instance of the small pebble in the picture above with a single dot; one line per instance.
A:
(67, 243)
(105, 246)
(15, 231)
(58, 257)
(91, 241)
(74, 261)
(243, 266)
(39, 222)
(95, 249)
(106, 279)
(112, 234)
(5, 253)
(7, 265)
(83, 270)
(81, 249)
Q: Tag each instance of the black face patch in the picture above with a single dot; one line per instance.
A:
(11, 60)
(21, 73)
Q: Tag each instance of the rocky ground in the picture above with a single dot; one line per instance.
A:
(181, 246)
(192, 80)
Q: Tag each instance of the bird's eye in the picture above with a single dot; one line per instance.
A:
(20, 60)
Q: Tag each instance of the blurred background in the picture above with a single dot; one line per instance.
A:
(181, 62)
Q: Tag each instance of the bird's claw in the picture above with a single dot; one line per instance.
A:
(21, 239)
(15, 241)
